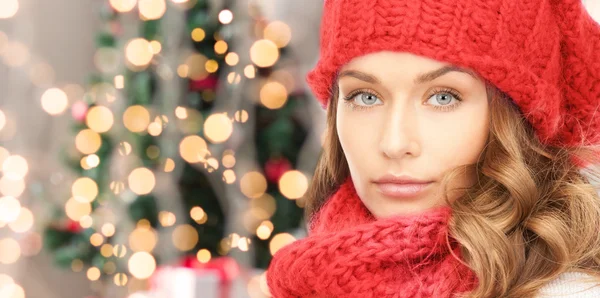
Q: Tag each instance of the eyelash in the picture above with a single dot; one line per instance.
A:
(445, 108)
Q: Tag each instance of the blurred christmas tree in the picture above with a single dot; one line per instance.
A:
(118, 153)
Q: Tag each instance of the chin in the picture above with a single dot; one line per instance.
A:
(383, 206)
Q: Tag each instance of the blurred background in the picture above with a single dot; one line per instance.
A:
(154, 148)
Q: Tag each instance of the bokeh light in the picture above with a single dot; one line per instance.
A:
(108, 229)
(273, 95)
(253, 184)
(119, 250)
(93, 273)
(233, 78)
(86, 221)
(10, 251)
(225, 16)
(141, 181)
(142, 238)
(142, 265)
(221, 47)
(203, 255)
(278, 32)
(123, 5)
(119, 81)
(264, 230)
(10, 208)
(12, 187)
(54, 101)
(76, 209)
(169, 165)
(136, 118)
(228, 160)
(99, 119)
(24, 221)
(264, 53)
(117, 187)
(152, 9)
(196, 66)
(241, 116)
(155, 128)
(138, 51)
(279, 241)
(156, 46)
(124, 148)
(185, 237)
(166, 218)
(8, 8)
(84, 189)
(88, 141)
(193, 149)
(120, 279)
(229, 176)
(15, 167)
(106, 250)
(198, 34)
(96, 239)
(12, 291)
(198, 214)
(5, 280)
(293, 184)
(218, 128)
(211, 66)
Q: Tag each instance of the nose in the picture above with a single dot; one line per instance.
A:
(400, 132)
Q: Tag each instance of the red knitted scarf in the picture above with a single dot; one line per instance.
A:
(349, 253)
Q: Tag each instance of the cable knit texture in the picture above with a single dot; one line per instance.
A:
(349, 253)
(545, 54)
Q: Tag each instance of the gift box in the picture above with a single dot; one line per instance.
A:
(193, 279)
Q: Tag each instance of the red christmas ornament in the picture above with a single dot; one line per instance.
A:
(275, 168)
(209, 82)
(73, 226)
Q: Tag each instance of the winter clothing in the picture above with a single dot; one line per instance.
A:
(350, 254)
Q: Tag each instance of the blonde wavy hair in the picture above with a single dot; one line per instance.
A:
(532, 215)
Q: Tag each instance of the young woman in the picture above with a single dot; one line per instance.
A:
(461, 146)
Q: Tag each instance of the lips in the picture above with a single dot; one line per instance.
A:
(403, 186)
(398, 190)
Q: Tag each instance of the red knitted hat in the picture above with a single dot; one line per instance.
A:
(544, 54)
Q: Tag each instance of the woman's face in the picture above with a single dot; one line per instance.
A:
(410, 119)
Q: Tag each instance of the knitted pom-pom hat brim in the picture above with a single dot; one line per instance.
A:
(544, 54)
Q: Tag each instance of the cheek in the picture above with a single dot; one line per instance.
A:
(461, 142)
(357, 140)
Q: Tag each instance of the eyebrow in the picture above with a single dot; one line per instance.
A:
(422, 78)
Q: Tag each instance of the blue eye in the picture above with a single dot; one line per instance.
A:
(444, 99)
(362, 99)
(367, 98)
